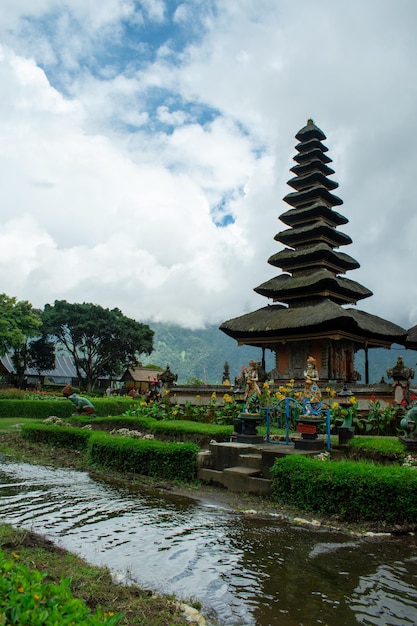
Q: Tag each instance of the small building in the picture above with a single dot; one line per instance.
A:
(63, 373)
(139, 377)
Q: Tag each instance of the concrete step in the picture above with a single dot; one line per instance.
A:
(251, 460)
(237, 479)
(242, 470)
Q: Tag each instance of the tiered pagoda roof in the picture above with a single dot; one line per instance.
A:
(312, 286)
(311, 258)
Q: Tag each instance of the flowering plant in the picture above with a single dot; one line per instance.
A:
(382, 418)
(288, 391)
(266, 397)
(345, 414)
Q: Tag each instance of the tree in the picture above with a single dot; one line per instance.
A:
(42, 355)
(100, 341)
(20, 359)
(18, 323)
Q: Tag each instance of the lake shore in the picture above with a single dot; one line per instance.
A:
(13, 445)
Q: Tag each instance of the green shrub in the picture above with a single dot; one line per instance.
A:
(389, 445)
(113, 422)
(172, 430)
(221, 410)
(184, 429)
(36, 409)
(61, 407)
(172, 461)
(11, 393)
(382, 450)
(59, 436)
(26, 597)
(354, 491)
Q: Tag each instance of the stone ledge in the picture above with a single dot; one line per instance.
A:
(238, 482)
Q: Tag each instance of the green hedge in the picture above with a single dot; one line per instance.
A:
(171, 461)
(382, 450)
(385, 445)
(113, 422)
(354, 491)
(170, 430)
(40, 409)
(59, 436)
(180, 428)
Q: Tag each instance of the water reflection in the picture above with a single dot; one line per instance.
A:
(245, 570)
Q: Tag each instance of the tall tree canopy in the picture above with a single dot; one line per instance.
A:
(100, 341)
(42, 354)
(18, 323)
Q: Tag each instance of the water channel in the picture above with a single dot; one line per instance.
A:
(246, 570)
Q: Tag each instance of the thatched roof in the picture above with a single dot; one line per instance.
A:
(286, 288)
(311, 144)
(316, 165)
(310, 131)
(318, 255)
(312, 178)
(311, 155)
(312, 193)
(411, 338)
(313, 233)
(276, 323)
(140, 374)
(316, 210)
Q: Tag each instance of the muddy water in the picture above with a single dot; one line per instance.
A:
(244, 570)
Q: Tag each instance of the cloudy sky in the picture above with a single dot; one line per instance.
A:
(145, 147)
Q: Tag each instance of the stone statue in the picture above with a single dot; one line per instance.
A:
(82, 405)
(409, 423)
(311, 395)
(252, 392)
(401, 375)
(400, 371)
(168, 378)
(226, 374)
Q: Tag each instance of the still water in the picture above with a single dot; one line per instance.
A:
(245, 570)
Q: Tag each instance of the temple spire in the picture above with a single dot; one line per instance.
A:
(310, 260)
(309, 315)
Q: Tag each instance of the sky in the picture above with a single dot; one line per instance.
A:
(145, 148)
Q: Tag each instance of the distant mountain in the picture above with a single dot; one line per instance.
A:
(381, 359)
(201, 354)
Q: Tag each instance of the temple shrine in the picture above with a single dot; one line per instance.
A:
(310, 312)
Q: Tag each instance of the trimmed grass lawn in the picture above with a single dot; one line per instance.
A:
(11, 424)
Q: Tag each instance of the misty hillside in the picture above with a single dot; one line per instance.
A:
(381, 359)
(201, 354)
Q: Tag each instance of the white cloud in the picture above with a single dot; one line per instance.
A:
(122, 142)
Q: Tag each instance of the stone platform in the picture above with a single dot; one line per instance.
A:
(243, 467)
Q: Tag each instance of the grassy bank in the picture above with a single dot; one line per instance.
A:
(91, 584)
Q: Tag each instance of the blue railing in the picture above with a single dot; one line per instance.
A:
(288, 410)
